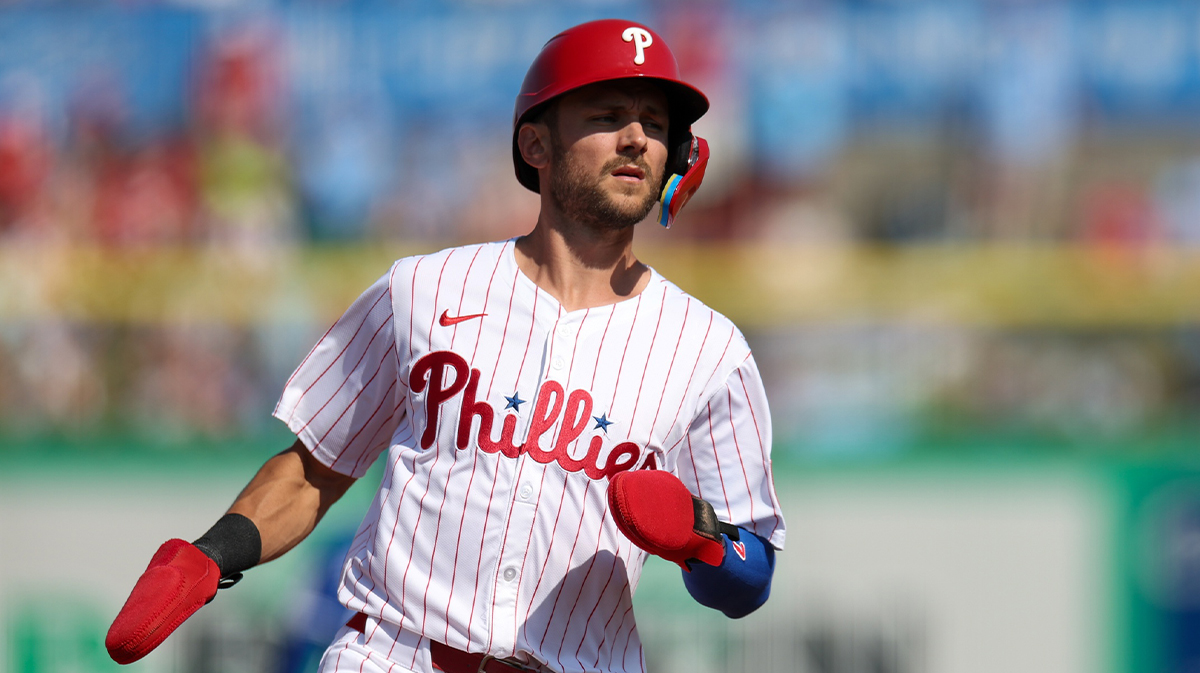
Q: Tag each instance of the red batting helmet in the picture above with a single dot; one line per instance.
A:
(611, 49)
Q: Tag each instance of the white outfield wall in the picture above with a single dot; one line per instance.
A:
(918, 572)
(914, 570)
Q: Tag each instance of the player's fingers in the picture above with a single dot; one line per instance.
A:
(179, 580)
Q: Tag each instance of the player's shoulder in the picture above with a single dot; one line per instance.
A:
(456, 260)
(701, 318)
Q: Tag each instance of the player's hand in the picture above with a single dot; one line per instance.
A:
(657, 513)
(179, 580)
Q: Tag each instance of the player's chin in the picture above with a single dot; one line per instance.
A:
(631, 198)
(630, 213)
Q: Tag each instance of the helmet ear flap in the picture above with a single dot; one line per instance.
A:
(685, 172)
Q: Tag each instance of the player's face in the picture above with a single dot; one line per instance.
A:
(609, 147)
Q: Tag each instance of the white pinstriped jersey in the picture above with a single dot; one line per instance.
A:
(502, 416)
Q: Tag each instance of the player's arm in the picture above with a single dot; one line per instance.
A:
(278, 508)
(741, 583)
(292, 491)
(287, 498)
(725, 567)
(722, 476)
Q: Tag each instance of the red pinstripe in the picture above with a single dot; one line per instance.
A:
(503, 545)
(621, 366)
(632, 326)
(466, 278)
(400, 501)
(371, 441)
(375, 526)
(553, 530)
(412, 320)
(628, 638)
(340, 354)
(475, 463)
(716, 369)
(486, 295)
(762, 447)
(603, 591)
(454, 461)
(496, 477)
(738, 447)
(754, 417)
(417, 650)
(649, 352)
(717, 457)
(504, 335)
(695, 365)
(437, 293)
(620, 625)
(561, 500)
(537, 504)
(303, 362)
(357, 395)
(670, 367)
(437, 456)
(596, 367)
(687, 436)
(366, 424)
(332, 395)
(541, 485)
(363, 663)
(583, 583)
(306, 357)
(437, 532)
(520, 471)
(554, 607)
(721, 359)
(338, 663)
(416, 529)
(528, 339)
(479, 562)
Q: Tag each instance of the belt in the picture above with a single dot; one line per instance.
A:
(452, 660)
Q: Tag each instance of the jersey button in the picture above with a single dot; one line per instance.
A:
(510, 574)
(526, 491)
(566, 330)
(558, 362)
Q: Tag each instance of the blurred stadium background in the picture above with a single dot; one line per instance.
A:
(961, 237)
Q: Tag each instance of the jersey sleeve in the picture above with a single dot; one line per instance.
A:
(726, 458)
(344, 401)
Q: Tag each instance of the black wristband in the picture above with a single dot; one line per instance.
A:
(233, 543)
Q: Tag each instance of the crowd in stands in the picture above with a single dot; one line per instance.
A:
(243, 169)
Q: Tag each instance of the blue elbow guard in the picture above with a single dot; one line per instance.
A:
(741, 584)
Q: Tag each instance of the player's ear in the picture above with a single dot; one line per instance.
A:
(533, 140)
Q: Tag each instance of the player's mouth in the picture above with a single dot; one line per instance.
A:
(629, 173)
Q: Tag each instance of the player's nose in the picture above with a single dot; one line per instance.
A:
(632, 139)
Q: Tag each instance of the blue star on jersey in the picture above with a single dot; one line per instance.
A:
(602, 422)
(515, 402)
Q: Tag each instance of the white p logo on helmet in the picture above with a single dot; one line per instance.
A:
(640, 37)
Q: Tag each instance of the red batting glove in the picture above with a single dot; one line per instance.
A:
(179, 580)
(657, 513)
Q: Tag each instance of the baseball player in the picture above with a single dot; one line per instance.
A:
(549, 410)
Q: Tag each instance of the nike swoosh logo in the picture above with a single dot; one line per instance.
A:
(446, 320)
(740, 548)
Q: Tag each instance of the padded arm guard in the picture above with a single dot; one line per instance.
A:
(179, 581)
(657, 513)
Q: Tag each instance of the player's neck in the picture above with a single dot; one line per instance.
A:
(580, 267)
